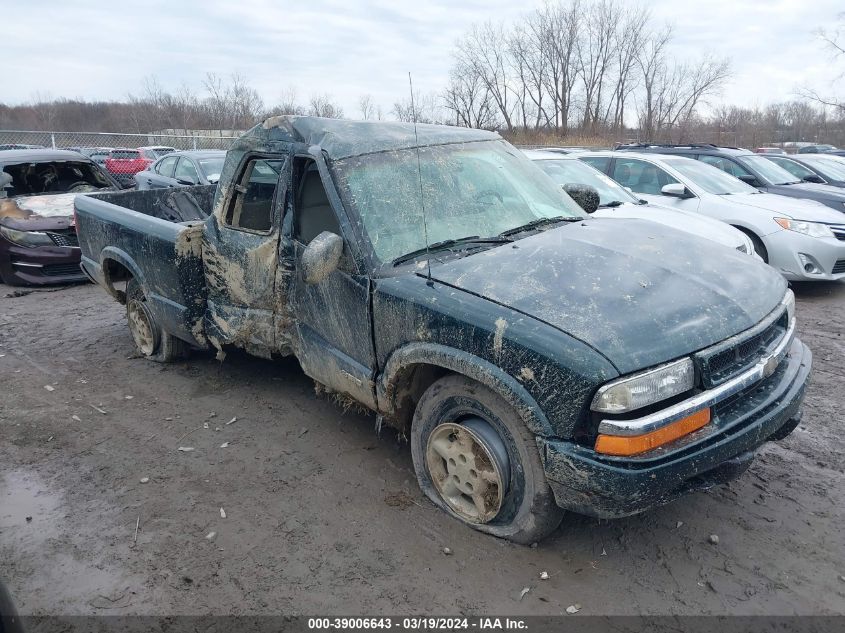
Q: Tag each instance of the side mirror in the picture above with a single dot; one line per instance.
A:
(814, 179)
(321, 257)
(586, 196)
(748, 179)
(675, 190)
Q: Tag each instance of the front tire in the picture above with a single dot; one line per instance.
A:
(476, 460)
(150, 340)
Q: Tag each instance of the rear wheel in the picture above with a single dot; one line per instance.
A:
(475, 459)
(150, 340)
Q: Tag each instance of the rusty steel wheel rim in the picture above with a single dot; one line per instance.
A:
(468, 467)
(141, 327)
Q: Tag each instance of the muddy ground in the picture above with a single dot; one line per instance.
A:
(324, 515)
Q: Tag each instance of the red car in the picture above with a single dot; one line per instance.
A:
(124, 163)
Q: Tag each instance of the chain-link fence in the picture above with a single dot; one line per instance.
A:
(208, 139)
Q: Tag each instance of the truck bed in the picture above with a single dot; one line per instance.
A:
(173, 205)
(136, 234)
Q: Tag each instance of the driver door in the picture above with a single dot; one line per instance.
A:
(333, 339)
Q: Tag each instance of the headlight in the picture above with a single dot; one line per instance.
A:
(26, 238)
(645, 388)
(813, 229)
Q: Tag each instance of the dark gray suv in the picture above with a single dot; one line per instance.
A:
(754, 169)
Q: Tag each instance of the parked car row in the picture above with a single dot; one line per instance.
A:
(801, 238)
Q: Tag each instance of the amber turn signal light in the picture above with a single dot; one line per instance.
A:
(634, 444)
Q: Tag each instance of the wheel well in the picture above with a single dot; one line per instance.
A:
(754, 238)
(411, 383)
(114, 271)
(748, 232)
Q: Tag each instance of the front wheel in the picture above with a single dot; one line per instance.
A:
(150, 340)
(475, 459)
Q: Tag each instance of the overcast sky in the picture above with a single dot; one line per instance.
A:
(101, 50)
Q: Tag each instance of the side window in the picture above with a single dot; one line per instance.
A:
(313, 213)
(725, 164)
(165, 167)
(251, 206)
(796, 169)
(640, 176)
(599, 162)
(185, 171)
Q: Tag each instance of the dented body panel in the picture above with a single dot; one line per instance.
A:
(544, 319)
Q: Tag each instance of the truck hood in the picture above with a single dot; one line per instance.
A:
(637, 292)
(688, 222)
(793, 208)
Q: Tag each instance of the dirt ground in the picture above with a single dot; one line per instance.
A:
(323, 515)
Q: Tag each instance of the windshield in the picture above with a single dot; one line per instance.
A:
(158, 152)
(830, 168)
(468, 189)
(770, 172)
(710, 179)
(573, 172)
(34, 179)
(211, 167)
(129, 154)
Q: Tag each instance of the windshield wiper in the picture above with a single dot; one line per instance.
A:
(446, 244)
(612, 204)
(538, 223)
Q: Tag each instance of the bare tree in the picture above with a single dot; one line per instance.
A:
(630, 36)
(834, 41)
(557, 26)
(468, 99)
(287, 103)
(425, 109)
(323, 106)
(366, 107)
(596, 54)
(481, 51)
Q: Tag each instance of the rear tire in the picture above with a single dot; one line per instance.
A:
(150, 340)
(476, 460)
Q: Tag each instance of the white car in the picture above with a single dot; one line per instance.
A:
(803, 239)
(617, 202)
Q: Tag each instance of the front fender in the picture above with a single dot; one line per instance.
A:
(403, 359)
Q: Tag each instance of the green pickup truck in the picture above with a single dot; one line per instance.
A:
(539, 359)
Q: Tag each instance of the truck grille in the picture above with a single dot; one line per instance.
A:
(64, 238)
(839, 267)
(61, 270)
(724, 360)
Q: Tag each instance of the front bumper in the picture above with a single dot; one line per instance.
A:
(789, 252)
(603, 486)
(40, 265)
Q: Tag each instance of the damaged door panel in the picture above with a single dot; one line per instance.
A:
(538, 359)
(240, 255)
